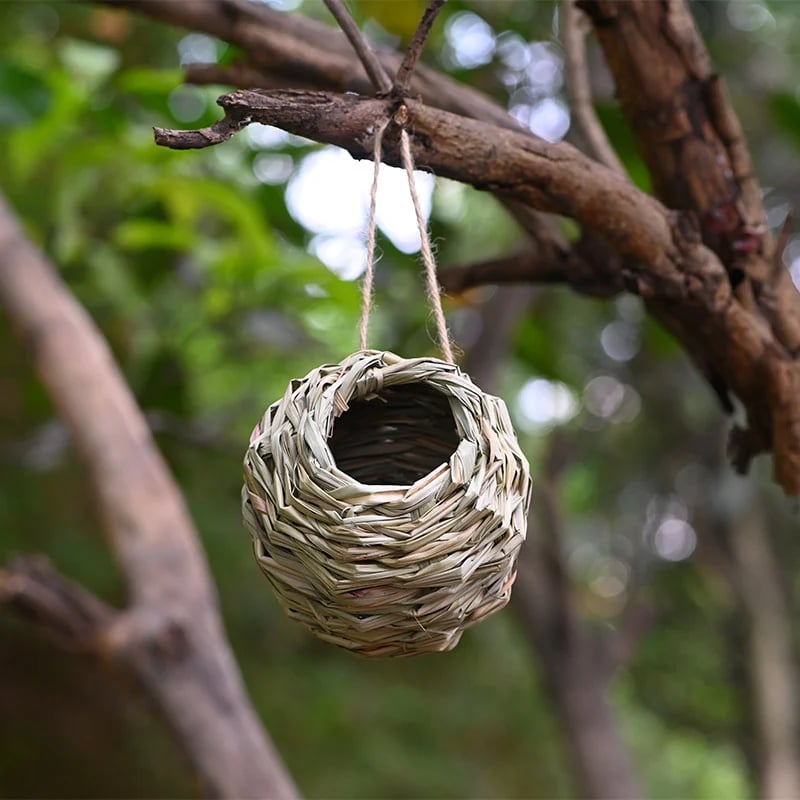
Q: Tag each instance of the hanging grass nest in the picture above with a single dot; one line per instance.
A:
(387, 499)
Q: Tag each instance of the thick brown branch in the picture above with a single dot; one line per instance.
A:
(682, 282)
(191, 672)
(692, 142)
(520, 166)
(285, 50)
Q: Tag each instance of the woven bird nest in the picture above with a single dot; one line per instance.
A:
(387, 499)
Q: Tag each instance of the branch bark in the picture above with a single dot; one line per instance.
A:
(580, 91)
(406, 70)
(743, 335)
(682, 282)
(171, 636)
(291, 50)
(694, 146)
(589, 267)
(373, 68)
(64, 610)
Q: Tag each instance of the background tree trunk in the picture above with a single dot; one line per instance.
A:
(171, 635)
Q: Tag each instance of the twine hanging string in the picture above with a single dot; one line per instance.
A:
(431, 280)
(369, 273)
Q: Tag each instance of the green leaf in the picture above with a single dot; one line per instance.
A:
(24, 96)
(90, 63)
(145, 234)
(786, 113)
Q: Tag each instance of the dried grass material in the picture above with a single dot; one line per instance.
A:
(387, 499)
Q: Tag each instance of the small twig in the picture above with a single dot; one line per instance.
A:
(72, 616)
(377, 74)
(533, 266)
(580, 93)
(204, 137)
(403, 77)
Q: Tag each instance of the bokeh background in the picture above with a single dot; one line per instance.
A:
(219, 275)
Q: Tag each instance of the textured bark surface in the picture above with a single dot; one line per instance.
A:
(171, 636)
(695, 151)
(663, 259)
(737, 314)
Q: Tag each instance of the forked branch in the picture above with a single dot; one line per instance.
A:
(402, 80)
(579, 88)
(380, 80)
(682, 282)
(756, 356)
(170, 636)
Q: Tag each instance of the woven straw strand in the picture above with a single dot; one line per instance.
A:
(389, 527)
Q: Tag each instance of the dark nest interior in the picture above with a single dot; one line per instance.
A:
(397, 437)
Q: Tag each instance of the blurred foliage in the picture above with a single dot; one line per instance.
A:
(202, 280)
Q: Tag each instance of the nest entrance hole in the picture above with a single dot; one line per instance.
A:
(397, 437)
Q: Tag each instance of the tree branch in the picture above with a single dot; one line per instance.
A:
(291, 50)
(682, 282)
(580, 91)
(380, 80)
(285, 50)
(406, 70)
(591, 270)
(217, 133)
(63, 609)
(171, 636)
(694, 148)
(514, 165)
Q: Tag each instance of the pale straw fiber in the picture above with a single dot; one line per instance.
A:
(387, 500)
